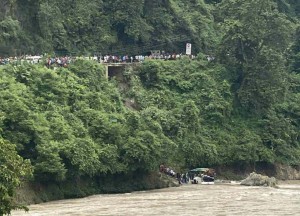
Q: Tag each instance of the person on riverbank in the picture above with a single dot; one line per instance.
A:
(162, 168)
(184, 178)
(178, 177)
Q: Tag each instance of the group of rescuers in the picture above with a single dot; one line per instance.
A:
(189, 177)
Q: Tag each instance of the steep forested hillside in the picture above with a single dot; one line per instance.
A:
(104, 25)
(241, 109)
(114, 26)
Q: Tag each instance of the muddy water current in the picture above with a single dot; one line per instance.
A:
(193, 200)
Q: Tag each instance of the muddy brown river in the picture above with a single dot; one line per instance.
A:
(192, 200)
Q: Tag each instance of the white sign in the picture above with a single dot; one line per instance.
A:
(188, 49)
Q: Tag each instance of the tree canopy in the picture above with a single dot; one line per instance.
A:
(240, 107)
(13, 169)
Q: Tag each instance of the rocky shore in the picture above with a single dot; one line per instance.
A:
(255, 179)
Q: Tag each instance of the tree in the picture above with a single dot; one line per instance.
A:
(295, 53)
(9, 34)
(51, 27)
(128, 21)
(13, 169)
(256, 38)
(194, 20)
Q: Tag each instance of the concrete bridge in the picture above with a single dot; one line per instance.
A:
(116, 69)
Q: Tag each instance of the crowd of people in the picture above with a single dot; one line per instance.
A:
(59, 61)
(208, 175)
(65, 60)
(140, 58)
(20, 59)
(182, 178)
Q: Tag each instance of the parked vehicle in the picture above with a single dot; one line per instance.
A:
(202, 175)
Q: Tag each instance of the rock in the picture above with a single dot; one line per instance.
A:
(285, 172)
(255, 179)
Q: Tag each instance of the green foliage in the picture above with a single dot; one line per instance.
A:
(9, 36)
(184, 98)
(72, 122)
(294, 59)
(281, 136)
(194, 103)
(251, 38)
(120, 27)
(241, 108)
(106, 26)
(13, 169)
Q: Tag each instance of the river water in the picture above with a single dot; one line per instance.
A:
(192, 200)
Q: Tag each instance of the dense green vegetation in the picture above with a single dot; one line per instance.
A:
(241, 109)
(106, 26)
(13, 169)
(119, 27)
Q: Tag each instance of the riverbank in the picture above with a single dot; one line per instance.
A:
(36, 192)
(239, 172)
